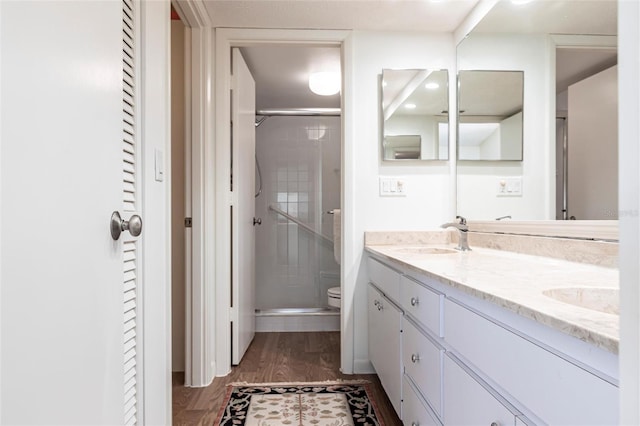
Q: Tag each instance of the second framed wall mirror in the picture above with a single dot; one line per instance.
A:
(566, 51)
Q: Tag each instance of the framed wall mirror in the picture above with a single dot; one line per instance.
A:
(567, 52)
(490, 111)
(415, 114)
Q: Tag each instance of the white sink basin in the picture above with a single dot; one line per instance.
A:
(426, 250)
(605, 300)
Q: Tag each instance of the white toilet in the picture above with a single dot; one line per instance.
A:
(334, 294)
(334, 297)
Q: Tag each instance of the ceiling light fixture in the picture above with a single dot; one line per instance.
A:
(432, 86)
(520, 2)
(324, 83)
(410, 106)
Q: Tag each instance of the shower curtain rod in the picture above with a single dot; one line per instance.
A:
(300, 112)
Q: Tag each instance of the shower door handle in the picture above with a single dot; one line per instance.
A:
(257, 221)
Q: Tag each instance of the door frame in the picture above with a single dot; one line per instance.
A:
(200, 335)
(155, 108)
(225, 40)
(208, 334)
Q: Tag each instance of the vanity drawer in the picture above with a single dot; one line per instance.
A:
(468, 402)
(422, 360)
(552, 388)
(414, 409)
(422, 303)
(385, 278)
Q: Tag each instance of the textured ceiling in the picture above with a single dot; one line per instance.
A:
(594, 17)
(393, 15)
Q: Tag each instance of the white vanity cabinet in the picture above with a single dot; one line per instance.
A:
(414, 408)
(422, 359)
(385, 327)
(468, 402)
(449, 358)
(422, 350)
(545, 382)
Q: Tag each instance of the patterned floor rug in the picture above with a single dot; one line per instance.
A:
(298, 404)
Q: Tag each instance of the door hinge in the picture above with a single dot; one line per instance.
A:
(187, 222)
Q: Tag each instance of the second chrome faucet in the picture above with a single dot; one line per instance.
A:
(463, 244)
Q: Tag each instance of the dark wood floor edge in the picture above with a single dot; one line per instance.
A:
(369, 391)
(225, 402)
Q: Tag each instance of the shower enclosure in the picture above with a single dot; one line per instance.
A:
(299, 160)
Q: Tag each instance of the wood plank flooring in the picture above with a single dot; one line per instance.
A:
(274, 357)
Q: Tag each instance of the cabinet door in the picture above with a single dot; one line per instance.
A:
(385, 322)
(375, 319)
(467, 402)
(414, 410)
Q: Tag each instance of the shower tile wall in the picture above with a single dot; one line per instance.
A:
(300, 163)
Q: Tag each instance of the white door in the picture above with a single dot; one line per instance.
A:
(243, 186)
(70, 354)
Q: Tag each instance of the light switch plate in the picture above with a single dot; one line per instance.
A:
(392, 187)
(509, 186)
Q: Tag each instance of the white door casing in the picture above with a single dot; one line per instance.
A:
(243, 95)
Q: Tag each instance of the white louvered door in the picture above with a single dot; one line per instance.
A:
(71, 342)
(131, 246)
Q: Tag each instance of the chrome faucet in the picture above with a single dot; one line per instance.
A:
(463, 244)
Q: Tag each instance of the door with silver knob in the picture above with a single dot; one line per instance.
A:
(68, 291)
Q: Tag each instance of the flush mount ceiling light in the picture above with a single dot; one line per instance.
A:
(432, 86)
(519, 2)
(410, 106)
(324, 83)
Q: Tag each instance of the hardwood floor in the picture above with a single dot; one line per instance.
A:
(274, 357)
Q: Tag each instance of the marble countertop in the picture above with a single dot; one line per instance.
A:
(517, 282)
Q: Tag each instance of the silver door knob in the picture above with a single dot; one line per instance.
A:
(257, 221)
(118, 225)
(414, 301)
(415, 358)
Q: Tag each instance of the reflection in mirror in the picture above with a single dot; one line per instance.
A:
(490, 115)
(415, 115)
(567, 51)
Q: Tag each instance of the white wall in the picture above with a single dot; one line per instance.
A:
(593, 146)
(477, 181)
(177, 196)
(426, 205)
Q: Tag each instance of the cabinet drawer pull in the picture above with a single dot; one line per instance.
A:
(414, 301)
(415, 424)
(495, 424)
(379, 306)
(415, 358)
(376, 303)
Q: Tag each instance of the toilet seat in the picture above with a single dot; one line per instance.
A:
(334, 296)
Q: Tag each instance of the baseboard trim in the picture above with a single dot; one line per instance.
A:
(363, 366)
